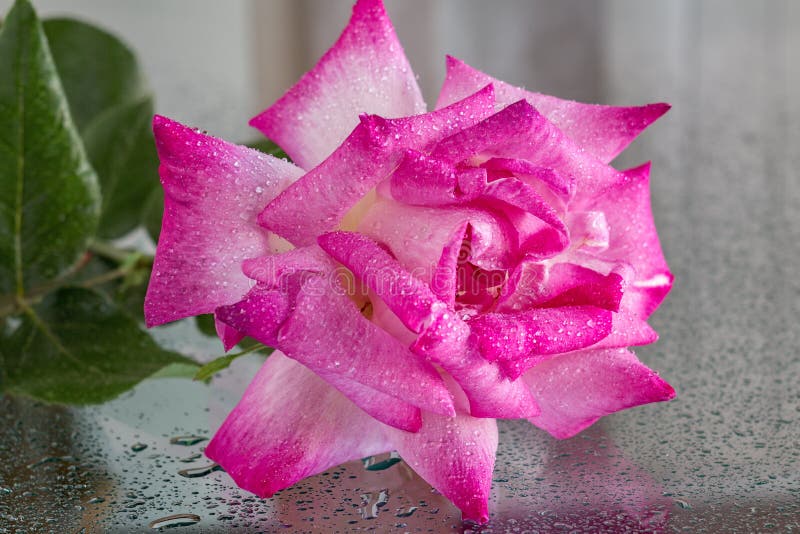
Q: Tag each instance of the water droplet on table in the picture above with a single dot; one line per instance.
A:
(371, 504)
(374, 463)
(187, 440)
(51, 459)
(195, 472)
(683, 504)
(174, 521)
(406, 512)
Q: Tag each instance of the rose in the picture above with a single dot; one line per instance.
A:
(495, 266)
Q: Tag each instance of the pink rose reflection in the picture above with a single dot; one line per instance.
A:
(421, 275)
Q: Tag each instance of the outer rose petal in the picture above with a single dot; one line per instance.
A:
(290, 425)
(604, 131)
(384, 408)
(633, 239)
(321, 328)
(365, 71)
(212, 193)
(318, 201)
(574, 390)
(627, 330)
(456, 456)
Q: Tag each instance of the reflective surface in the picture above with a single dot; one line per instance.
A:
(724, 456)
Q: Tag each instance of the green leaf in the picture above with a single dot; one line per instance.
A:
(153, 212)
(97, 70)
(108, 96)
(205, 323)
(77, 347)
(49, 198)
(223, 362)
(121, 147)
(268, 147)
(177, 370)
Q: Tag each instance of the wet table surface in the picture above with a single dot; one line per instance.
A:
(724, 456)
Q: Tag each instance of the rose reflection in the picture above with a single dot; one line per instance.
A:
(582, 483)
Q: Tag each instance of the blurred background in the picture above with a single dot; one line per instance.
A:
(216, 64)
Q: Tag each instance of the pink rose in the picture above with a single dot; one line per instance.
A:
(421, 275)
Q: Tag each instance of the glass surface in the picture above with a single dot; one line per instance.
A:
(724, 456)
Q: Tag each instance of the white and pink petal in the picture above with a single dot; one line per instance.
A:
(574, 390)
(213, 191)
(290, 425)
(365, 71)
(456, 456)
(604, 131)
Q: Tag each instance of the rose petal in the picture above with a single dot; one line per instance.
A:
(444, 338)
(574, 390)
(276, 269)
(520, 131)
(417, 235)
(422, 180)
(230, 336)
(385, 408)
(319, 326)
(447, 342)
(633, 239)
(289, 425)
(560, 284)
(456, 456)
(444, 282)
(213, 191)
(520, 195)
(589, 231)
(605, 131)
(407, 296)
(627, 330)
(539, 332)
(365, 71)
(318, 201)
(563, 187)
